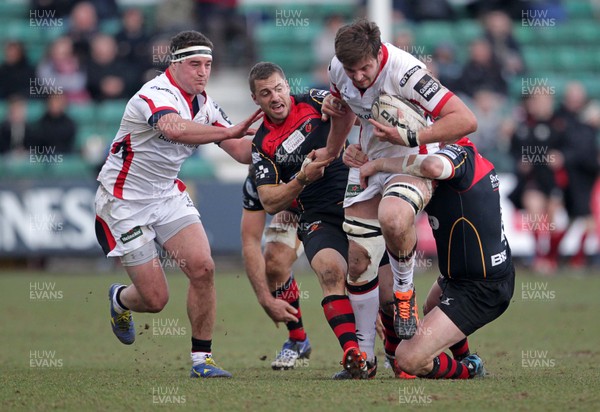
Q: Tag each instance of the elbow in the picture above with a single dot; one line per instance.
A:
(470, 123)
(270, 209)
(172, 133)
(431, 167)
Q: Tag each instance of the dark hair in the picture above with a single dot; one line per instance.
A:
(188, 39)
(262, 71)
(355, 41)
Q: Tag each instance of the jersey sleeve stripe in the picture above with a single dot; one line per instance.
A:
(153, 107)
(152, 120)
(438, 108)
(127, 160)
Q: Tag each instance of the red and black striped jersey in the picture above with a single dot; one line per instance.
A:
(279, 150)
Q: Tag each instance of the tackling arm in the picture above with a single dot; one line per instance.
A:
(276, 198)
(253, 223)
(433, 166)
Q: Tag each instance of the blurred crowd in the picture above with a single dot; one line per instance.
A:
(549, 142)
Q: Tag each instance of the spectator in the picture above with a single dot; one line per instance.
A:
(175, 15)
(404, 40)
(160, 58)
(572, 104)
(576, 162)
(431, 10)
(107, 77)
(491, 136)
(323, 48)
(481, 71)
(106, 9)
(221, 22)
(498, 32)
(449, 70)
(15, 71)
(59, 8)
(15, 132)
(323, 44)
(63, 68)
(133, 42)
(55, 129)
(83, 26)
(537, 191)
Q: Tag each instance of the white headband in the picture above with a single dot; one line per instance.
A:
(188, 52)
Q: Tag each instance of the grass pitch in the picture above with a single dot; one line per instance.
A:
(58, 353)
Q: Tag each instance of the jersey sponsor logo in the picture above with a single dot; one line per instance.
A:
(427, 87)
(446, 301)
(191, 146)
(313, 227)
(318, 95)
(407, 75)
(261, 172)
(132, 234)
(452, 151)
(164, 89)
(293, 142)
(495, 181)
(353, 190)
(255, 157)
(223, 114)
(498, 258)
(433, 222)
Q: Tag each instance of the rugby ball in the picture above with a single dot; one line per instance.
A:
(385, 110)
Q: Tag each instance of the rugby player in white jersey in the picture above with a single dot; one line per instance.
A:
(141, 201)
(382, 216)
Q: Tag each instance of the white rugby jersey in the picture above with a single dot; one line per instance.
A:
(143, 163)
(400, 74)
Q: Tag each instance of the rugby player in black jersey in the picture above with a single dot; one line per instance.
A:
(288, 177)
(477, 273)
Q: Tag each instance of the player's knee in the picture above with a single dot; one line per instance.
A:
(276, 265)
(200, 270)
(358, 262)
(396, 222)
(157, 301)
(410, 363)
(332, 277)
(365, 250)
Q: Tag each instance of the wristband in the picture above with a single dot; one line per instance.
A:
(303, 180)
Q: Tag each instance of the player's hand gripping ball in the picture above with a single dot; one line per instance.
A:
(398, 112)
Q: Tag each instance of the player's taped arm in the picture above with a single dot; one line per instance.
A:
(432, 166)
(408, 136)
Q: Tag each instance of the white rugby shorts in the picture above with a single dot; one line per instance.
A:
(123, 226)
(375, 186)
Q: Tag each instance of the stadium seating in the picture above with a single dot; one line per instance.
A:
(566, 50)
